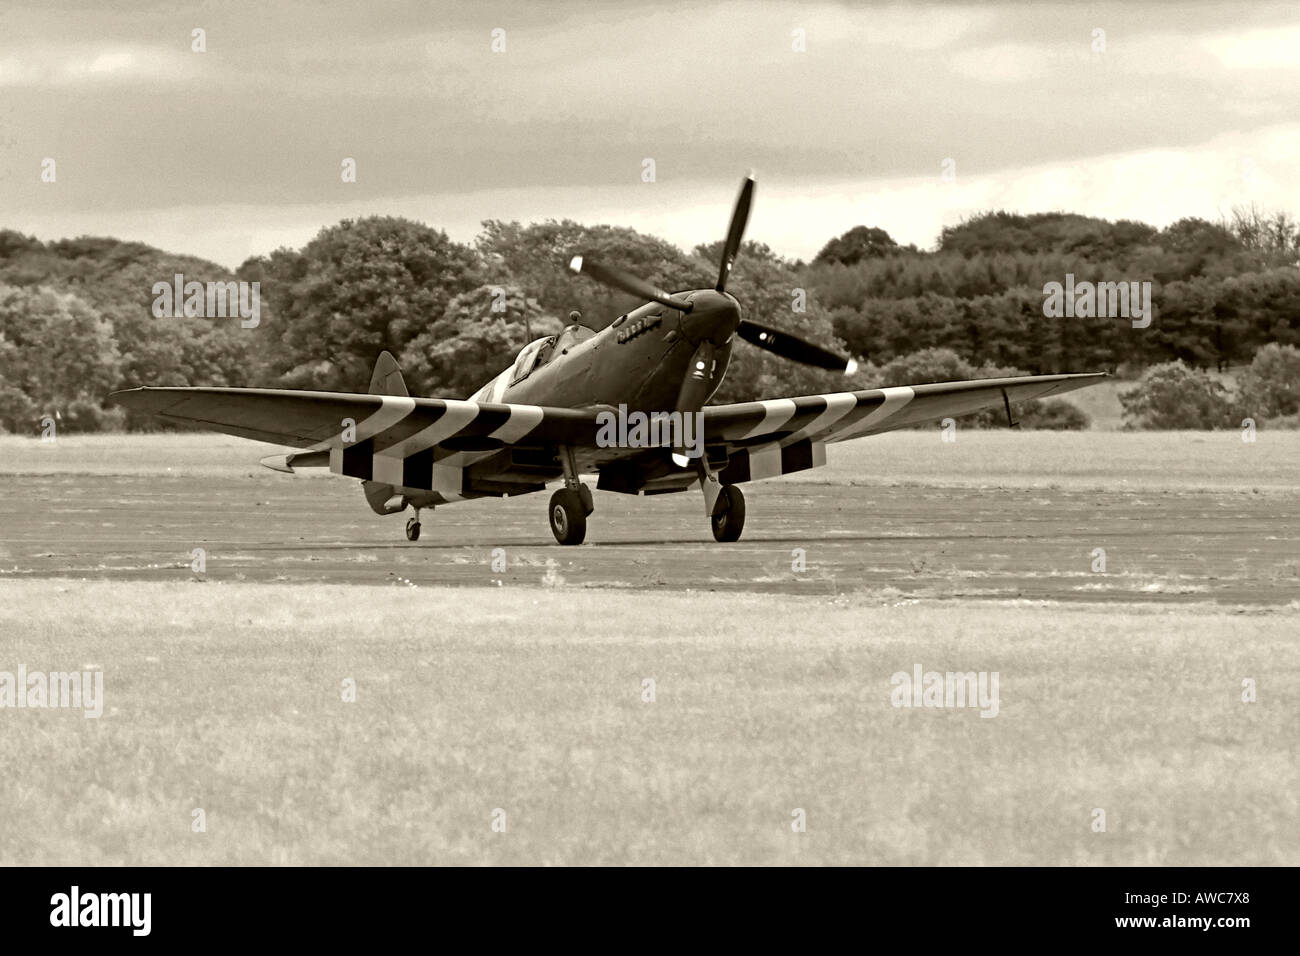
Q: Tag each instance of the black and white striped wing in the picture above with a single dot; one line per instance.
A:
(842, 415)
(778, 436)
(398, 433)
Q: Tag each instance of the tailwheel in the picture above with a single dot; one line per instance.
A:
(728, 514)
(569, 516)
(413, 528)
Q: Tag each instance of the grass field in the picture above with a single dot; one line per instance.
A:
(227, 698)
(1151, 461)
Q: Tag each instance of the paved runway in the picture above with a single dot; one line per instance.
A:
(909, 542)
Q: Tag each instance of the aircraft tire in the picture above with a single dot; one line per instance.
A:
(728, 518)
(568, 517)
(412, 530)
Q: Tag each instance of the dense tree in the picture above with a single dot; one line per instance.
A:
(57, 359)
(116, 280)
(357, 288)
(1220, 291)
(1270, 387)
(1275, 234)
(1083, 237)
(1175, 395)
(860, 242)
(478, 336)
(536, 258)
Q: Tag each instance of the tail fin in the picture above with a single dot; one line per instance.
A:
(387, 377)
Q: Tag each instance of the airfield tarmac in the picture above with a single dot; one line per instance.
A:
(914, 541)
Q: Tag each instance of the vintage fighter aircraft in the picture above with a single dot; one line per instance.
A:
(538, 420)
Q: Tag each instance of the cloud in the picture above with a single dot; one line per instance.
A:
(1157, 186)
(794, 217)
(235, 150)
(70, 65)
(1272, 48)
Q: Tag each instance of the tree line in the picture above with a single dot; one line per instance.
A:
(76, 316)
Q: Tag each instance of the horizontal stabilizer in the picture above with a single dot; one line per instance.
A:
(382, 498)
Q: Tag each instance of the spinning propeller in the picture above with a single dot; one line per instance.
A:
(695, 386)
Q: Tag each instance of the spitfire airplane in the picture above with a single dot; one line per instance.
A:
(537, 421)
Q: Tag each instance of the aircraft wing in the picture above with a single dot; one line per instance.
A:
(306, 419)
(777, 436)
(410, 442)
(394, 425)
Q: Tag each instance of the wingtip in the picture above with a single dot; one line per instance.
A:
(576, 263)
(851, 368)
(122, 395)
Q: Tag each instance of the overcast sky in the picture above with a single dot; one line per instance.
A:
(1190, 108)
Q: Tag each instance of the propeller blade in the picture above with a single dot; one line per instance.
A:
(736, 232)
(627, 282)
(792, 347)
(695, 387)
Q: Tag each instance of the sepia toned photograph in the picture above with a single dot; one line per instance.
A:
(747, 434)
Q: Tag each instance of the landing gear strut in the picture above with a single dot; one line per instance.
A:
(413, 527)
(728, 518)
(724, 504)
(571, 504)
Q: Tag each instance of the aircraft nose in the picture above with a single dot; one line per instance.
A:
(714, 317)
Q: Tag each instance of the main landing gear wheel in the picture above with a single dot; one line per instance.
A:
(413, 529)
(728, 514)
(569, 513)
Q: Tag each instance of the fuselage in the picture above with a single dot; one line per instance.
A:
(638, 360)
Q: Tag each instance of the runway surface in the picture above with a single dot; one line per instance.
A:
(913, 542)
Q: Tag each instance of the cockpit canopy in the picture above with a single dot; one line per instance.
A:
(528, 358)
(540, 351)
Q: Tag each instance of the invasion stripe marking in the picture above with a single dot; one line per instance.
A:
(522, 420)
(411, 425)
(838, 404)
(392, 409)
(458, 414)
(765, 461)
(776, 412)
(356, 459)
(771, 460)
(416, 470)
(895, 399)
(802, 456)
